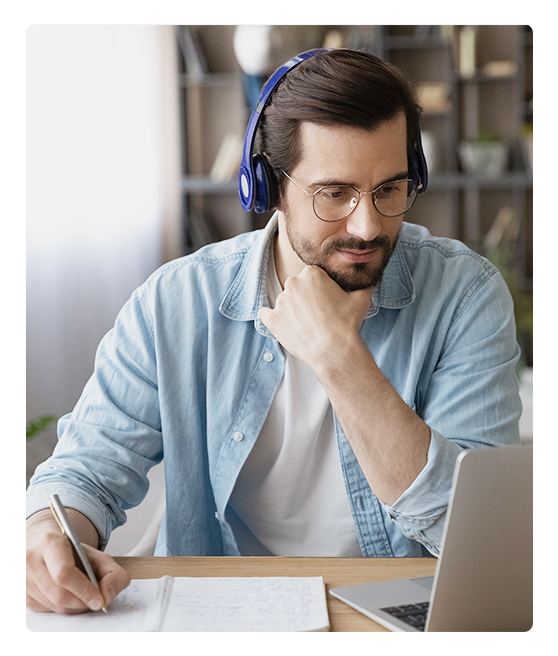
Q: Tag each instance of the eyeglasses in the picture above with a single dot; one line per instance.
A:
(336, 202)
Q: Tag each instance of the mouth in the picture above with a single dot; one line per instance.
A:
(358, 255)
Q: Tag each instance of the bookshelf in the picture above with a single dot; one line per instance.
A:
(485, 73)
(476, 86)
(211, 107)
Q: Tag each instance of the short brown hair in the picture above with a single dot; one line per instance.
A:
(345, 87)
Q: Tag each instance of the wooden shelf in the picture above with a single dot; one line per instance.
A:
(415, 43)
(459, 181)
(198, 184)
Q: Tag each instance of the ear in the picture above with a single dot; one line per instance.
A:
(266, 192)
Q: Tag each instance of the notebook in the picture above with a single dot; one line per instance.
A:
(204, 604)
(484, 576)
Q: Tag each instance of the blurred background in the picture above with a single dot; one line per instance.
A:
(134, 136)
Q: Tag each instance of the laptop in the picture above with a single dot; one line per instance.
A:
(484, 575)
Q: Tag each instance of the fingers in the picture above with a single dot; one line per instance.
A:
(111, 576)
(55, 584)
(264, 315)
(51, 576)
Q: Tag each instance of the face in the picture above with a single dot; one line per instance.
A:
(353, 251)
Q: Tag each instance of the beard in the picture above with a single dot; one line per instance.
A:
(359, 275)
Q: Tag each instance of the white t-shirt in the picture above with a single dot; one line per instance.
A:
(290, 497)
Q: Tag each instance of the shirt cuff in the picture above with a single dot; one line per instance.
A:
(420, 511)
(38, 498)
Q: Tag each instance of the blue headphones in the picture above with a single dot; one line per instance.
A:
(256, 180)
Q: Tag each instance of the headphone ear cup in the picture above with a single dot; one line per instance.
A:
(419, 166)
(265, 193)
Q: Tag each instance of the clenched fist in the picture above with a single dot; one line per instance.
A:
(314, 316)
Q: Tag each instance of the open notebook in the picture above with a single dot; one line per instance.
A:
(204, 604)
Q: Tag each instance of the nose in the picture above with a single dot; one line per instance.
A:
(365, 220)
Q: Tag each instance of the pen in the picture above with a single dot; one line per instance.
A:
(66, 527)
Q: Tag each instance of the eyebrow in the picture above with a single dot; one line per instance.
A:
(333, 182)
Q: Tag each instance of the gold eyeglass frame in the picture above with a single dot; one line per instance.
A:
(360, 194)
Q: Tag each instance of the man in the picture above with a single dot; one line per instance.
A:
(309, 385)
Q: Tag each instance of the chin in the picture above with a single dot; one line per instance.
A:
(357, 278)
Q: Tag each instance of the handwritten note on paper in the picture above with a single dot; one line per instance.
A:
(132, 610)
(204, 604)
(248, 604)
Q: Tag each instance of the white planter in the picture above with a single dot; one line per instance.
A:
(483, 158)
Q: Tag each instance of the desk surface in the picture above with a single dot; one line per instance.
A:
(335, 571)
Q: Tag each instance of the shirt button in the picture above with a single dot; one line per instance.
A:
(238, 436)
(268, 357)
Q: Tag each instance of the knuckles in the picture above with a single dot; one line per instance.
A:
(314, 272)
(62, 573)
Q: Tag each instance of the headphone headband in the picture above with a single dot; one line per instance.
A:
(254, 183)
(247, 173)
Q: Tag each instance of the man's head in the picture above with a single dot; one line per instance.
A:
(347, 118)
(339, 87)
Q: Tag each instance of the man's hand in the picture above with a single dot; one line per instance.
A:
(54, 582)
(319, 323)
(313, 315)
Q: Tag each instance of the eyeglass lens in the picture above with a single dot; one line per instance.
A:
(390, 199)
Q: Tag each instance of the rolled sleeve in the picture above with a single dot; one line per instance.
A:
(72, 497)
(472, 401)
(421, 510)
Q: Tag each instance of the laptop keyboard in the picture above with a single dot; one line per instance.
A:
(412, 614)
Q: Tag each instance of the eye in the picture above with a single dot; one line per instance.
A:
(391, 189)
(337, 194)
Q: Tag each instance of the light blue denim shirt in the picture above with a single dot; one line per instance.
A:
(189, 373)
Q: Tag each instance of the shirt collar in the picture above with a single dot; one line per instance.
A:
(396, 289)
(248, 292)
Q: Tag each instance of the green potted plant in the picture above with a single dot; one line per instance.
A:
(39, 425)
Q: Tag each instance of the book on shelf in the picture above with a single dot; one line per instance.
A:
(500, 68)
(434, 96)
(204, 604)
(468, 51)
(228, 159)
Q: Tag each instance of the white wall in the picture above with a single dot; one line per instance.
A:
(102, 194)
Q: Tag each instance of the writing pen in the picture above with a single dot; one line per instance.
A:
(68, 530)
